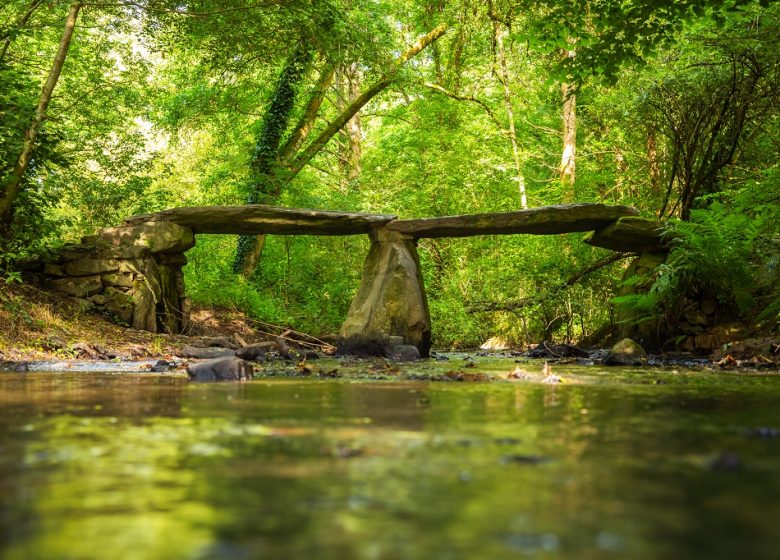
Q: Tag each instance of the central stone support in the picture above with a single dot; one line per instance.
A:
(391, 299)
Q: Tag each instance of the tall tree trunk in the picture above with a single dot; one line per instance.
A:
(504, 73)
(21, 22)
(567, 167)
(455, 63)
(266, 157)
(652, 161)
(13, 183)
(351, 147)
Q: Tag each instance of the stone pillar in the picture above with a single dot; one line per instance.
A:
(631, 323)
(391, 299)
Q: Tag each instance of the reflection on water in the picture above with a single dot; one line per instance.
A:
(138, 466)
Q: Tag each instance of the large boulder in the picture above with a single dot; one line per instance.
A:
(403, 353)
(221, 369)
(158, 237)
(119, 279)
(626, 353)
(563, 218)
(631, 234)
(391, 299)
(87, 266)
(254, 219)
(144, 307)
(119, 304)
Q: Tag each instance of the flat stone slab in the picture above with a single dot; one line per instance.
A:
(256, 219)
(631, 234)
(544, 220)
(157, 237)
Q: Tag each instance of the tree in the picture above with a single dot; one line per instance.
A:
(12, 184)
(504, 79)
(7, 35)
(288, 167)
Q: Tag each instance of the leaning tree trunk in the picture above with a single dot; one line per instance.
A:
(264, 160)
(569, 141)
(289, 161)
(12, 185)
(300, 160)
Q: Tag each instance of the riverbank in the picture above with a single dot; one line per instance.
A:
(41, 328)
(37, 325)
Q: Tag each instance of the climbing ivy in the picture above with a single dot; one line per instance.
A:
(275, 120)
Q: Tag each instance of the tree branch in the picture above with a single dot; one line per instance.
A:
(453, 95)
(306, 122)
(21, 22)
(13, 183)
(152, 9)
(524, 302)
(324, 137)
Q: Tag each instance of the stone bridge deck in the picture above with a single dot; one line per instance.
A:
(135, 271)
(260, 219)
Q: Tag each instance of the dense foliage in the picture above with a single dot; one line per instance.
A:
(317, 105)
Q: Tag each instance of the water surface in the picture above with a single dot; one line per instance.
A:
(608, 464)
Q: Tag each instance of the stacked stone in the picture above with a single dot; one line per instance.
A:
(133, 273)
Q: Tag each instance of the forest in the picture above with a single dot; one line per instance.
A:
(534, 311)
(418, 109)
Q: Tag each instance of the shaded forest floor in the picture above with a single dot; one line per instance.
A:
(41, 325)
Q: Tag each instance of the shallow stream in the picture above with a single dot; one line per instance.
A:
(610, 463)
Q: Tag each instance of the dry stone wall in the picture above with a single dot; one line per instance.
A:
(132, 273)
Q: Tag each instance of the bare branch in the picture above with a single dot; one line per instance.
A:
(453, 95)
(524, 302)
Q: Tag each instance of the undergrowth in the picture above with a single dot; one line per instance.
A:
(729, 252)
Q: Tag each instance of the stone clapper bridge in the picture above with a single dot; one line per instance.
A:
(135, 273)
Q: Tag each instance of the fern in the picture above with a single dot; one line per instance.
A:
(728, 252)
(713, 254)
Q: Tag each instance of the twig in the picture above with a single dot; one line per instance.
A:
(292, 335)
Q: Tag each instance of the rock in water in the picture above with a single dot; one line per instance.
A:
(205, 353)
(404, 353)
(549, 350)
(726, 462)
(221, 369)
(253, 352)
(626, 353)
(161, 366)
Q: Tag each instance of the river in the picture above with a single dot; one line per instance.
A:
(610, 463)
